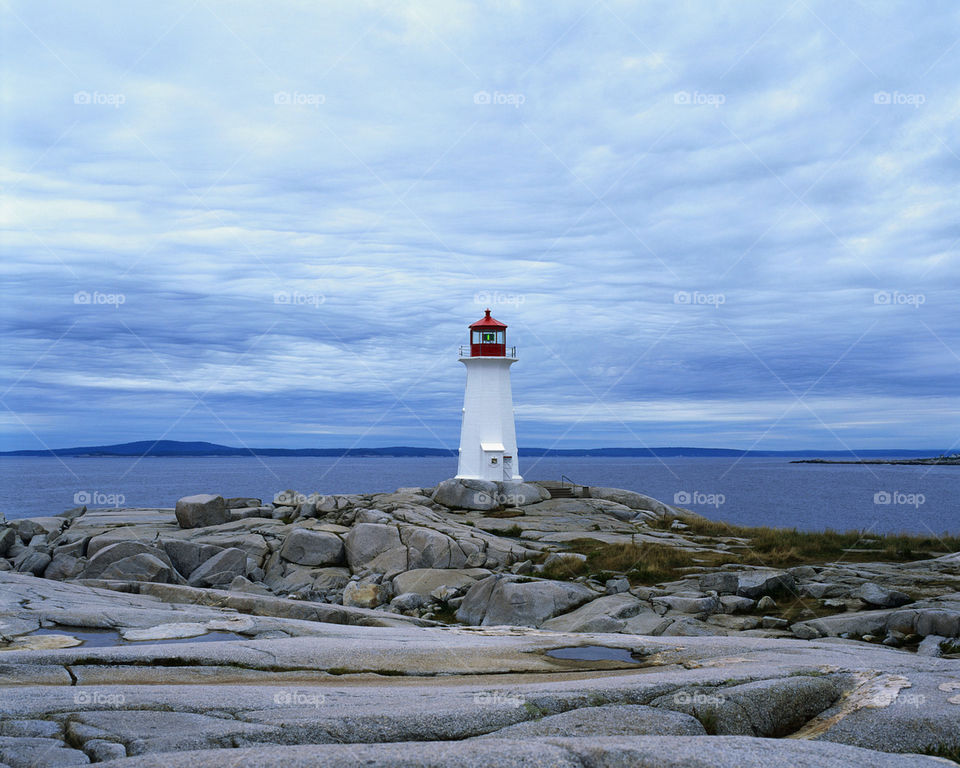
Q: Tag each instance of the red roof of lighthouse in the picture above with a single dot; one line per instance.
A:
(488, 322)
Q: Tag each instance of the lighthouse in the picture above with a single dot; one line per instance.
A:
(488, 438)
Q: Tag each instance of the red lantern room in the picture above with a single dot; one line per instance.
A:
(488, 337)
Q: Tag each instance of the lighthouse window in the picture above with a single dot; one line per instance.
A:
(489, 337)
(476, 337)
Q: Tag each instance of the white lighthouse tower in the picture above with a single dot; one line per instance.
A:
(488, 438)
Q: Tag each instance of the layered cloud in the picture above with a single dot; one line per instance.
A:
(271, 225)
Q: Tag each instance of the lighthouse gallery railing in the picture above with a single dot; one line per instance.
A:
(507, 352)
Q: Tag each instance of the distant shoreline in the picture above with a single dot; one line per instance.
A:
(202, 449)
(939, 461)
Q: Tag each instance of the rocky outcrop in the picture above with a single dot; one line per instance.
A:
(376, 547)
(221, 569)
(201, 510)
(484, 495)
(605, 614)
(500, 599)
(306, 547)
(423, 581)
(467, 494)
(366, 595)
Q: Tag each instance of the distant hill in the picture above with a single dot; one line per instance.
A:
(178, 448)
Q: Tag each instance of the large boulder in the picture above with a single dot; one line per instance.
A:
(605, 614)
(639, 502)
(32, 560)
(140, 567)
(520, 494)
(698, 605)
(121, 550)
(501, 599)
(202, 510)
(306, 547)
(376, 547)
(187, 556)
(427, 548)
(28, 527)
(881, 597)
(457, 493)
(721, 582)
(221, 569)
(758, 583)
(423, 581)
(8, 537)
(62, 567)
(369, 595)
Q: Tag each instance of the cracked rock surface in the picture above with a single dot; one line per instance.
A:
(233, 644)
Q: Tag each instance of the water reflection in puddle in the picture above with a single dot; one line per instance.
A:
(595, 653)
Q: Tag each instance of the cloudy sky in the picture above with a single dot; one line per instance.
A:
(725, 224)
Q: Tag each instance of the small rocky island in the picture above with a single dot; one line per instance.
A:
(470, 624)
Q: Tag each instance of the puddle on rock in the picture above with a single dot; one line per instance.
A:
(108, 638)
(596, 653)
